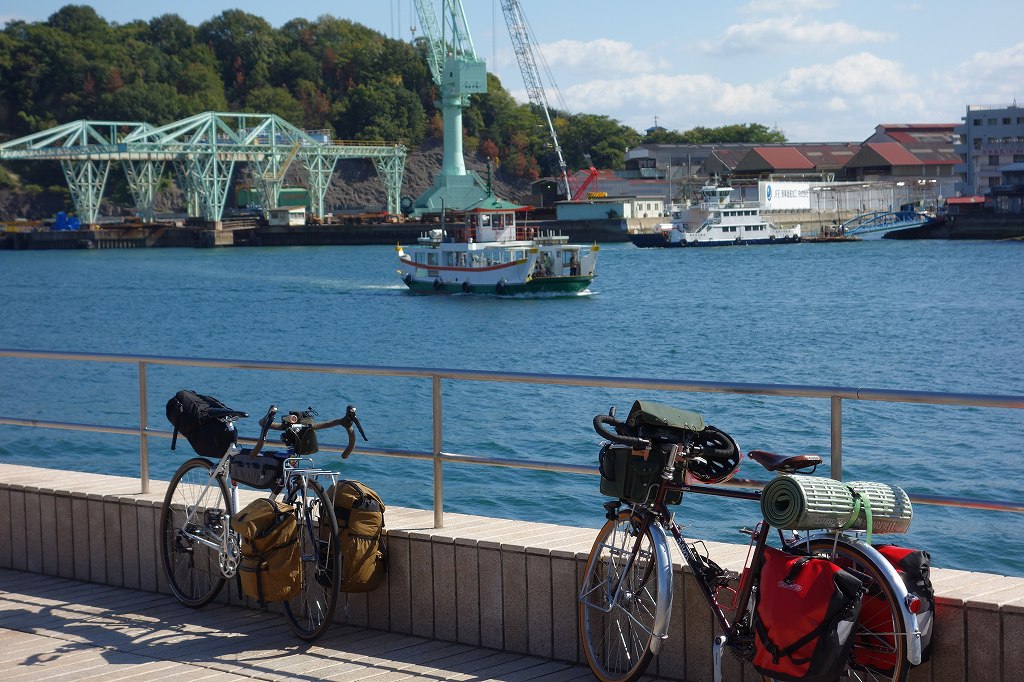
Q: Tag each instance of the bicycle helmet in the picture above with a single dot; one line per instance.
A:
(720, 458)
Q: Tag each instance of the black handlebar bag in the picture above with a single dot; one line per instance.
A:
(189, 413)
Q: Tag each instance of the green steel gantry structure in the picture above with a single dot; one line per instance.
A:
(202, 150)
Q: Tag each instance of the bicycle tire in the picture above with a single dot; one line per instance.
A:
(617, 634)
(880, 644)
(193, 569)
(311, 612)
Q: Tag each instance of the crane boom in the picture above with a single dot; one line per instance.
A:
(517, 29)
(458, 73)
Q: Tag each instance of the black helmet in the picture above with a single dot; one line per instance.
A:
(720, 457)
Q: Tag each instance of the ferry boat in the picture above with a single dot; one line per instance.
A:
(716, 221)
(489, 253)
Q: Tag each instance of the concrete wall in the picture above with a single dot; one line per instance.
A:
(490, 582)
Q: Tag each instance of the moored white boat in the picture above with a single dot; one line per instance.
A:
(491, 254)
(716, 221)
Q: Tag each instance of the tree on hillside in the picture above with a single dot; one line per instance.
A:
(747, 133)
(244, 45)
(603, 138)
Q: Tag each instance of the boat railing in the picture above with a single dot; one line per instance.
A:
(714, 206)
(835, 395)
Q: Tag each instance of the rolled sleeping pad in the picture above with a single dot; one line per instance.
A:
(796, 502)
(891, 511)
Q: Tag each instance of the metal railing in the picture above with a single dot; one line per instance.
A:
(835, 394)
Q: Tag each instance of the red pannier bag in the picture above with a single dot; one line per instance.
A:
(914, 567)
(804, 619)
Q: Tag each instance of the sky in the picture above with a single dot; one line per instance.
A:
(817, 70)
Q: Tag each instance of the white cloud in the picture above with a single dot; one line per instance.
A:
(861, 74)
(604, 55)
(789, 32)
(812, 103)
(987, 77)
(837, 104)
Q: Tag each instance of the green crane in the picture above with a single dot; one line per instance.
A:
(458, 73)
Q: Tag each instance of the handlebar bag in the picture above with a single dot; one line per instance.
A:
(189, 413)
(645, 412)
(804, 618)
(271, 565)
(914, 567)
(301, 438)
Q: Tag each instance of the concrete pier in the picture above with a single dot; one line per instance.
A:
(501, 587)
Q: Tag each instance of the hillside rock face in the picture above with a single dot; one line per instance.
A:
(356, 186)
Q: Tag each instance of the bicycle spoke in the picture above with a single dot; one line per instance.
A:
(192, 533)
(311, 611)
(618, 602)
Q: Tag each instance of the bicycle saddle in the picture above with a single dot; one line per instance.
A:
(787, 464)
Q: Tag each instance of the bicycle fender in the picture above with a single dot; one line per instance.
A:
(663, 557)
(895, 582)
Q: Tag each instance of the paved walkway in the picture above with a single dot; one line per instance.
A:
(53, 628)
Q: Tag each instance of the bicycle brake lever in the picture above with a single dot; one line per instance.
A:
(359, 426)
(350, 414)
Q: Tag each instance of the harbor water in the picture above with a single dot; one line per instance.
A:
(906, 315)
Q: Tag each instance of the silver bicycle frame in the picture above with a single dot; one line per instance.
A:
(225, 544)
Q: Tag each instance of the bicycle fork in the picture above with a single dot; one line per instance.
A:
(614, 585)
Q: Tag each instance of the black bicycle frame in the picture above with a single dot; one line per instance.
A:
(746, 585)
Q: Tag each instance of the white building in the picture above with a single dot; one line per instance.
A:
(991, 138)
(604, 208)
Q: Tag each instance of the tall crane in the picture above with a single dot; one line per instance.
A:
(458, 73)
(520, 34)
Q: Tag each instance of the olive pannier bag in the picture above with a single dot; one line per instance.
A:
(361, 535)
(188, 413)
(271, 566)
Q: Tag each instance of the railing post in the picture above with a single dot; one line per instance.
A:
(837, 438)
(438, 476)
(143, 426)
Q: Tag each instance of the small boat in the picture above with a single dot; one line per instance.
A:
(716, 221)
(489, 253)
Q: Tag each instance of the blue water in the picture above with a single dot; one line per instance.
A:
(929, 315)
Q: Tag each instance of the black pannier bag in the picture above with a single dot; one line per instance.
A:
(188, 412)
(804, 621)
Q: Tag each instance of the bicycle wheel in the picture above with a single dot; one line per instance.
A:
(879, 645)
(195, 512)
(619, 601)
(311, 611)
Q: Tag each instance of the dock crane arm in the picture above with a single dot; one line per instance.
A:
(517, 29)
(449, 38)
(459, 73)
